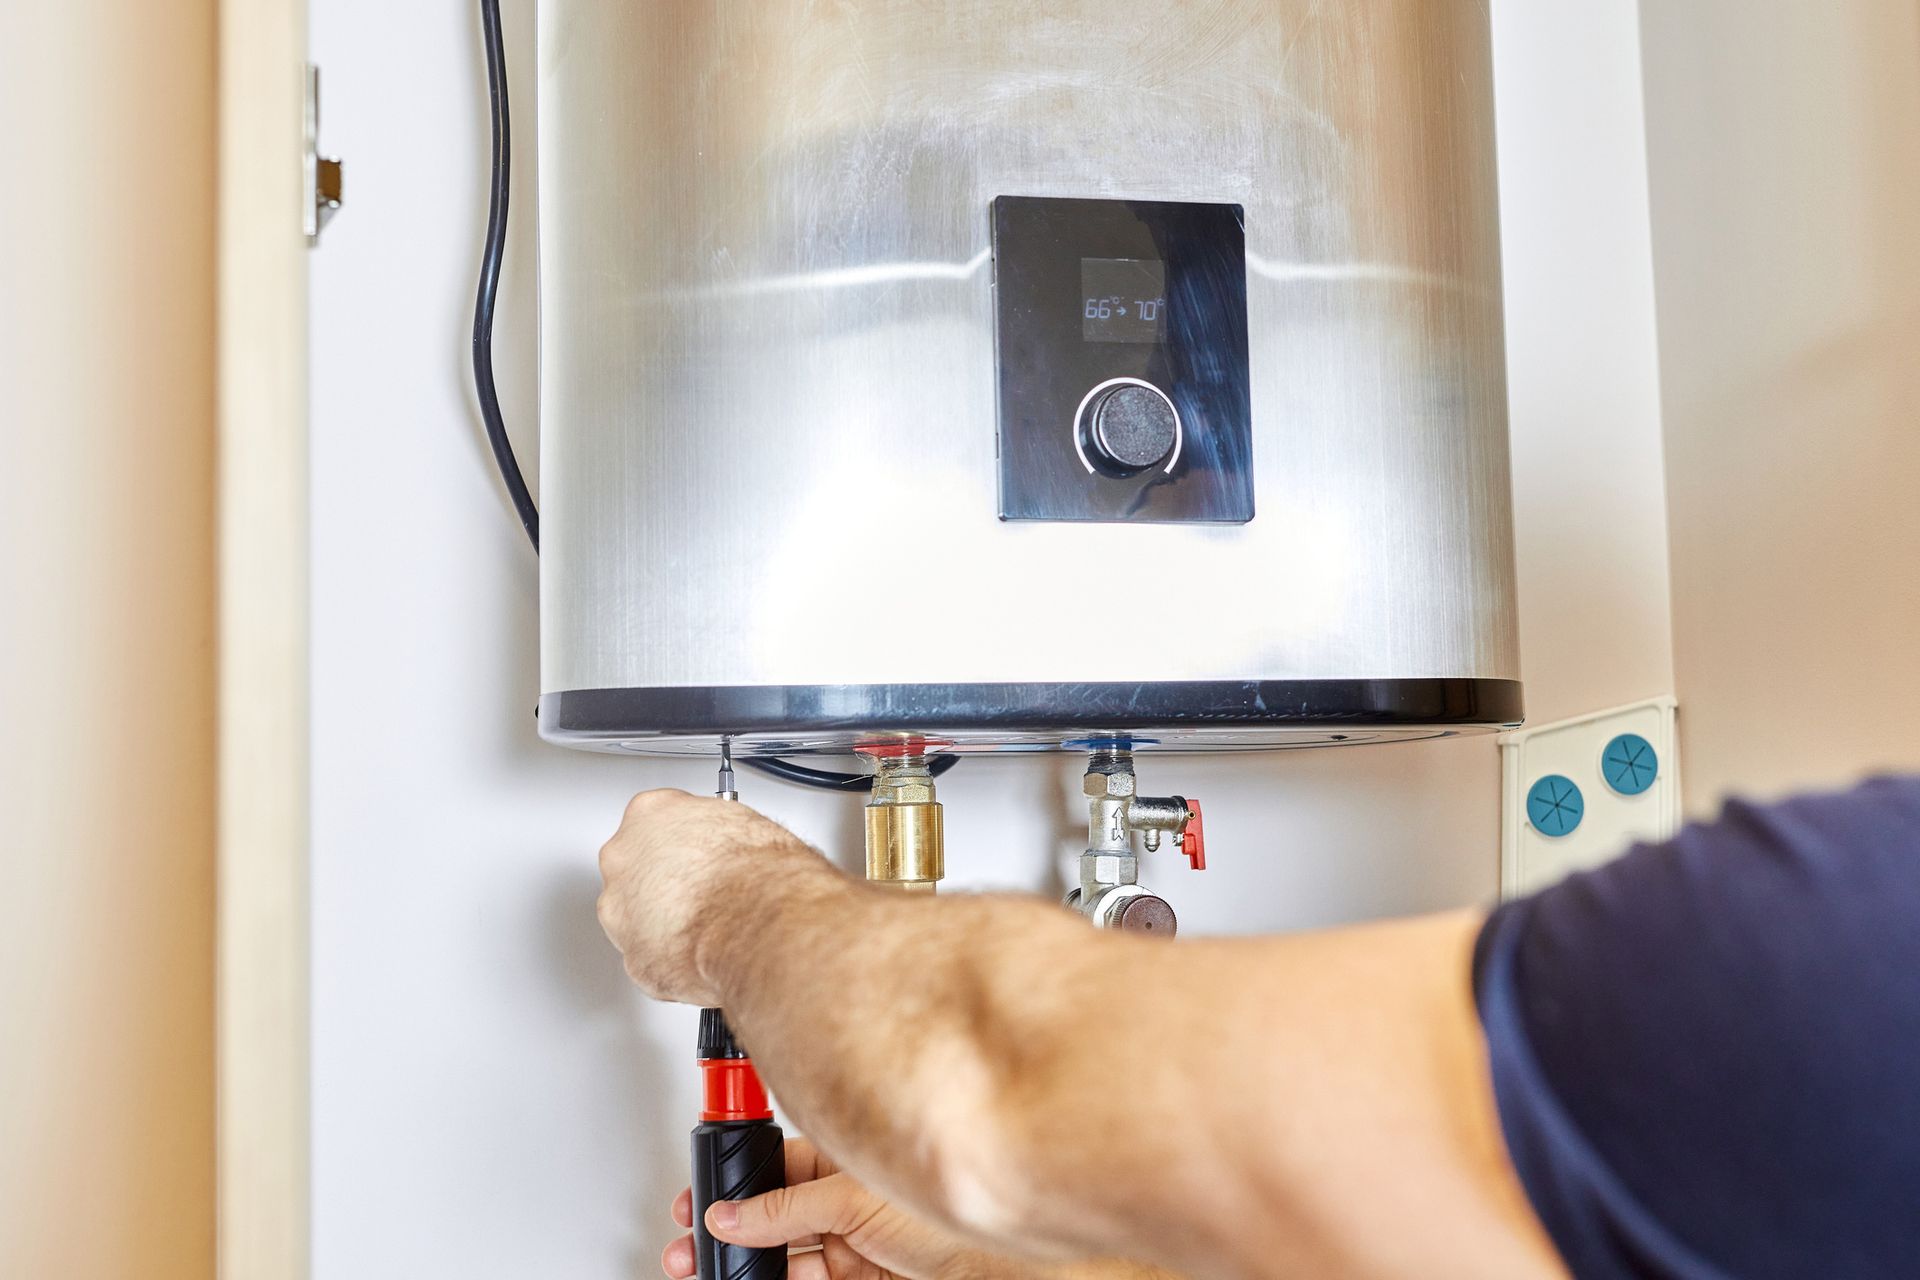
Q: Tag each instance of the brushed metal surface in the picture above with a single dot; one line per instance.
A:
(767, 339)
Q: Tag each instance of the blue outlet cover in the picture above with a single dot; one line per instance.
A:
(1555, 805)
(1630, 764)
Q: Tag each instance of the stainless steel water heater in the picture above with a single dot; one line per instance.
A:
(1020, 374)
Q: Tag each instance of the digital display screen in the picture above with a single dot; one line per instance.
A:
(1123, 299)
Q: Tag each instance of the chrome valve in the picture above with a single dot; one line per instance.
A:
(1109, 893)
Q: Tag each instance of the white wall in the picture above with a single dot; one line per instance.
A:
(489, 1099)
(1785, 152)
(106, 640)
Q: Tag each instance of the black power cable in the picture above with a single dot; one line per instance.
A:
(494, 251)
(787, 770)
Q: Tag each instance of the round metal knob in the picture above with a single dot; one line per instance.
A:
(1127, 427)
(1146, 914)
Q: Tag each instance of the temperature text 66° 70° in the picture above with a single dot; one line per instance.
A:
(1146, 310)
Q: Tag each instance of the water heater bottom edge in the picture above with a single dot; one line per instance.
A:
(1192, 715)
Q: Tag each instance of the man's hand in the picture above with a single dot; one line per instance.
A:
(684, 872)
(859, 1235)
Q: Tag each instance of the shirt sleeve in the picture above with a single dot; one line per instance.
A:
(1706, 1054)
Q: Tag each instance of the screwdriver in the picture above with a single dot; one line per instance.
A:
(738, 1150)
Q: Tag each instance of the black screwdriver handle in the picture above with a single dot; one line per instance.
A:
(733, 1160)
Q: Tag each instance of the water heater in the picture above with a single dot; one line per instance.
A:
(1020, 375)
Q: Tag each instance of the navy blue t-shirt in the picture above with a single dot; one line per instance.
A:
(1706, 1055)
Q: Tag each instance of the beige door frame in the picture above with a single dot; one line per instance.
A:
(261, 985)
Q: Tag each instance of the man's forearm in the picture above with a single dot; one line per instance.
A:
(870, 1008)
(916, 1038)
(1297, 1106)
(1309, 1105)
(912, 1037)
(998, 1066)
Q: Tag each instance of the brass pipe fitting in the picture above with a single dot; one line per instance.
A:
(906, 841)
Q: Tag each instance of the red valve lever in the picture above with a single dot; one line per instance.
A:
(1193, 838)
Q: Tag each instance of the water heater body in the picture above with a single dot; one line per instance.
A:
(1020, 374)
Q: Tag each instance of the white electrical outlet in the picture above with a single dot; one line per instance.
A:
(1581, 792)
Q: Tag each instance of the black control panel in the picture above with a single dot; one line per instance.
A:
(1121, 346)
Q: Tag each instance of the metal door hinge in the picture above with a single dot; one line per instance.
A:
(323, 176)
